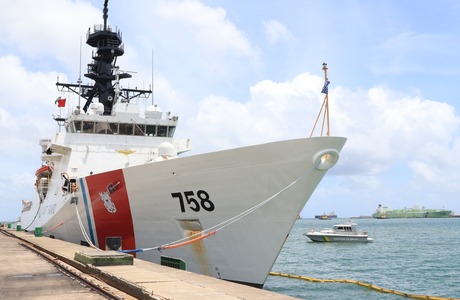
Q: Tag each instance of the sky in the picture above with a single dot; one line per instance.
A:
(240, 73)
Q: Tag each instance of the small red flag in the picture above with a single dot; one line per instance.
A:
(60, 102)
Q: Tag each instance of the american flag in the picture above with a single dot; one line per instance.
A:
(325, 89)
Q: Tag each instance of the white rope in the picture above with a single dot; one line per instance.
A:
(83, 231)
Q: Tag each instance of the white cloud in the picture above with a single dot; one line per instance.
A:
(26, 105)
(276, 32)
(46, 30)
(386, 127)
(25, 91)
(420, 52)
(209, 27)
(275, 111)
(190, 37)
(437, 165)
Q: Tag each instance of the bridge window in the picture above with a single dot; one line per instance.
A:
(117, 128)
(103, 127)
(162, 131)
(114, 127)
(139, 129)
(171, 131)
(151, 130)
(126, 129)
(78, 126)
(88, 127)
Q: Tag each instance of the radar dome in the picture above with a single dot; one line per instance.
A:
(166, 149)
(153, 112)
(97, 108)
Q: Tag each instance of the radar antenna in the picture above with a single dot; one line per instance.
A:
(103, 70)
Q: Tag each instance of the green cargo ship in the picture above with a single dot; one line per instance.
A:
(383, 212)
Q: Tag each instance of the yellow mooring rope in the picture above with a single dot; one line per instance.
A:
(368, 285)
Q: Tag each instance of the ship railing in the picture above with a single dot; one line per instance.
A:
(100, 27)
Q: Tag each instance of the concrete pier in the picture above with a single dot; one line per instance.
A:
(141, 280)
(26, 275)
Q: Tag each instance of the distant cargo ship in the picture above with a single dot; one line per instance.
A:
(325, 216)
(383, 212)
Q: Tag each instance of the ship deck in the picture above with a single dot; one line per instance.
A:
(26, 274)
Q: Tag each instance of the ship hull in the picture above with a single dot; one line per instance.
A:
(250, 196)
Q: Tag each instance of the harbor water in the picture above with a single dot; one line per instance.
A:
(414, 256)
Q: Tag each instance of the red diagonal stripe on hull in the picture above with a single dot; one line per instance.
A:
(108, 224)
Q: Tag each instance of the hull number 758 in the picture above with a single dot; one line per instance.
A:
(195, 203)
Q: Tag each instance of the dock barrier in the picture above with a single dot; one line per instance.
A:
(364, 284)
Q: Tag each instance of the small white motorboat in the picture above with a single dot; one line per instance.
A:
(339, 233)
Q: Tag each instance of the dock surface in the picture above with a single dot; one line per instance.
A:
(26, 275)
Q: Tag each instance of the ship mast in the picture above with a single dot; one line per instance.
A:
(325, 106)
(103, 70)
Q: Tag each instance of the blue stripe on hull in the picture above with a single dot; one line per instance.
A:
(88, 217)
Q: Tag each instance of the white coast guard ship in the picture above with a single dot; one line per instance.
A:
(113, 180)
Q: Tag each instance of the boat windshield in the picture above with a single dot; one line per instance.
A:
(347, 228)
